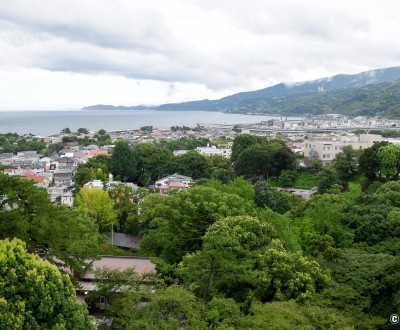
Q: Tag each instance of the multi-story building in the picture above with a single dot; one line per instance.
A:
(325, 147)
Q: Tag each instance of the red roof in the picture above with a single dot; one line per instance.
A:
(38, 179)
(93, 153)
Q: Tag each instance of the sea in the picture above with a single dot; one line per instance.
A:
(45, 123)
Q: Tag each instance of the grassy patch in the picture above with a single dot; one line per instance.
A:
(305, 180)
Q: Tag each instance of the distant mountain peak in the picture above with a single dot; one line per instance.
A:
(261, 101)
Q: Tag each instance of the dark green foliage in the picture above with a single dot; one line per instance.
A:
(193, 164)
(222, 169)
(244, 141)
(287, 178)
(277, 201)
(14, 143)
(376, 217)
(97, 168)
(27, 213)
(124, 162)
(346, 163)
(326, 179)
(148, 129)
(362, 276)
(185, 143)
(82, 131)
(153, 162)
(256, 158)
(255, 162)
(369, 163)
(178, 222)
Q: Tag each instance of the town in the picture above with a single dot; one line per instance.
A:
(126, 182)
(319, 137)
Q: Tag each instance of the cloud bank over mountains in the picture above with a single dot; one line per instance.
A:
(156, 51)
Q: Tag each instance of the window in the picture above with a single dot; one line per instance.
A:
(102, 302)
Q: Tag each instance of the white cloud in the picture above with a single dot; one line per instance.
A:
(131, 52)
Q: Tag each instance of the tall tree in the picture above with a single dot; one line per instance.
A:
(346, 162)
(34, 294)
(153, 162)
(389, 160)
(97, 205)
(369, 162)
(177, 222)
(244, 141)
(124, 163)
(26, 212)
(193, 164)
(255, 162)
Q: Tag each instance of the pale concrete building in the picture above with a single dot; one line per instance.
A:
(325, 147)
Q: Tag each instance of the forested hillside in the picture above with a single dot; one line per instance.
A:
(372, 93)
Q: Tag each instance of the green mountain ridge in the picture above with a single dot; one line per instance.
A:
(369, 93)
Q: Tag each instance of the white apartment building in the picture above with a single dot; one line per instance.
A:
(211, 151)
(325, 147)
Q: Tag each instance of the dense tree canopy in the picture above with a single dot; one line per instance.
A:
(34, 294)
(124, 162)
(27, 213)
(177, 223)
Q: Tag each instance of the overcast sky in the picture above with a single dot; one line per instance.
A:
(66, 54)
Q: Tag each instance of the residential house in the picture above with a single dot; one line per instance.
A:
(175, 181)
(57, 190)
(93, 153)
(67, 199)
(87, 283)
(6, 158)
(41, 181)
(62, 176)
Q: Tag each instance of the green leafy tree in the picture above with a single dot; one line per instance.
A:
(281, 275)
(346, 162)
(134, 304)
(193, 164)
(125, 204)
(34, 294)
(66, 131)
(238, 186)
(255, 162)
(222, 169)
(229, 253)
(176, 223)
(287, 178)
(359, 282)
(277, 201)
(322, 225)
(124, 163)
(389, 160)
(82, 131)
(26, 212)
(102, 132)
(153, 162)
(244, 141)
(374, 218)
(97, 205)
(326, 179)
